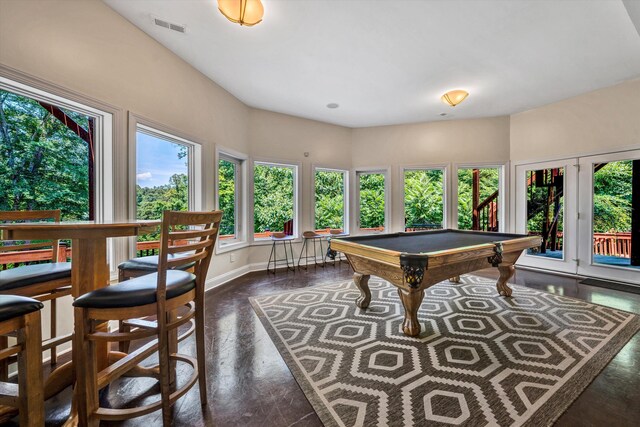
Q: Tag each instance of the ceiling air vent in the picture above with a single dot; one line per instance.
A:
(168, 25)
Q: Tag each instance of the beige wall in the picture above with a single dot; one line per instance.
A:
(443, 143)
(607, 119)
(279, 137)
(436, 142)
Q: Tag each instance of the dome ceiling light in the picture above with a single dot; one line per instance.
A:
(244, 12)
(454, 97)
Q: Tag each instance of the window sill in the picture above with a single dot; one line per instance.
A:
(268, 241)
(221, 249)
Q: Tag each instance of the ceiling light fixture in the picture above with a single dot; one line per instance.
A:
(244, 12)
(454, 97)
(333, 105)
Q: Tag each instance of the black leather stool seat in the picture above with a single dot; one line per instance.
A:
(32, 274)
(138, 291)
(13, 306)
(150, 263)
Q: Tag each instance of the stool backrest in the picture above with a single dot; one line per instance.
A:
(31, 216)
(199, 230)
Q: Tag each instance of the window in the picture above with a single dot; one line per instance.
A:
(167, 177)
(478, 198)
(372, 212)
(424, 199)
(230, 198)
(46, 154)
(545, 217)
(330, 199)
(274, 199)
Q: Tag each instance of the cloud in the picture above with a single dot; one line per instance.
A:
(144, 176)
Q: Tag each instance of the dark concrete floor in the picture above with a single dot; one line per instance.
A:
(250, 385)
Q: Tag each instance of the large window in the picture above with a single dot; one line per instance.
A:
(330, 199)
(478, 199)
(166, 176)
(371, 200)
(423, 199)
(46, 157)
(545, 213)
(230, 198)
(274, 199)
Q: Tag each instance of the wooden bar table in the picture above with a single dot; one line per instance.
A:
(89, 270)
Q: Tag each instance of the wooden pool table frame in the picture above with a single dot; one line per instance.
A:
(413, 273)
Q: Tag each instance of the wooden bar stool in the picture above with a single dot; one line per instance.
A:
(22, 316)
(174, 296)
(44, 282)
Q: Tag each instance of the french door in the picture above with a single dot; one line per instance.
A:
(546, 205)
(609, 220)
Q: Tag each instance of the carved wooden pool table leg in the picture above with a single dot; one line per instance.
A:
(506, 272)
(362, 283)
(411, 302)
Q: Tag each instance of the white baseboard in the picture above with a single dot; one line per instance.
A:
(220, 280)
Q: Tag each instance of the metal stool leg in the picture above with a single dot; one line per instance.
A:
(272, 255)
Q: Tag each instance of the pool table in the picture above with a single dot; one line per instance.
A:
(415, 261)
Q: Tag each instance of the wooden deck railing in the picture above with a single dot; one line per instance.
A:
(609, 244)
(612, 244)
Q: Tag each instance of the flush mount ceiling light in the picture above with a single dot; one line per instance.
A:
(332, 105)
(244, 12)
(454, 97)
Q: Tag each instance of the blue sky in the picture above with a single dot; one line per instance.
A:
(157, 159)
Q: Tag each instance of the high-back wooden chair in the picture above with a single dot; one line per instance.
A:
(44, 281)
(174, 296)
(21, 315)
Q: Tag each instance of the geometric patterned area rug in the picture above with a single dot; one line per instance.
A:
(481, 359)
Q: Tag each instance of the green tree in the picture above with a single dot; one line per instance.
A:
(423, 191)
(329, 211)
(273, 197)
(43, 164)
(372, 200)
(227, 196)
(489, 183)
(612, 188)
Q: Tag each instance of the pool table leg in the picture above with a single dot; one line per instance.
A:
(362, 283)
(411, 302)
(506, 272)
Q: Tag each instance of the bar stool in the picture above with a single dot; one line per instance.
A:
(273, 258)
(174, 297)
(139, 266)
(331, 254)
(44, 282)
(22, 316)
(315, 238)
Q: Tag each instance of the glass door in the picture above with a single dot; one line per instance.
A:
(546, 200)
(609, 221)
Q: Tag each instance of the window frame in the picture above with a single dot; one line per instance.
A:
(241, 205)
(297, 185)
(446, 209)
(194, 153)
(503, 204)
(386, 171)
(107, 139)
(345, 195)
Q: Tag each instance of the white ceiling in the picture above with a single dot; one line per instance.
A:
(388, 61)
